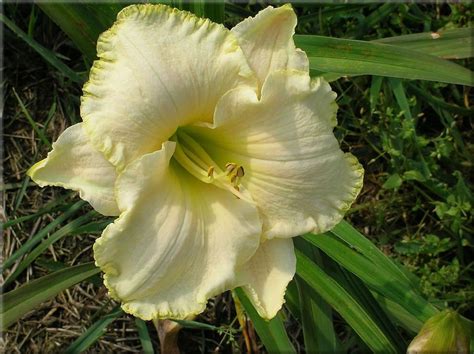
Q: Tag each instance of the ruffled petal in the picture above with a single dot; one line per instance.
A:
(294, 168)
(158, 68)
(267, 41)
(267, 275)
(178, 241)
(75, 164)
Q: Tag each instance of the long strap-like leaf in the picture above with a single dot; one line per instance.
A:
(18, 302)
(351, 57)
(454, 43)
(344, 303)
(272, 333)
(94, 332)
(332, 57)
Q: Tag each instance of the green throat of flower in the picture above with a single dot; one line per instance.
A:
(194, 159)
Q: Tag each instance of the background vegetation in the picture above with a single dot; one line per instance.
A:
(413, 137)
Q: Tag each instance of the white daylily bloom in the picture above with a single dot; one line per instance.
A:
(213, 148)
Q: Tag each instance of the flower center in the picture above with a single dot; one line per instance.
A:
(194, 159)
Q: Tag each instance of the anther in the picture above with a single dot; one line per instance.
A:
(240, 172)
(230, 167)
(210, 171)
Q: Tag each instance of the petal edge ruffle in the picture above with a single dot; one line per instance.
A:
(178, 241)
(75, 164)
(158, 69)
(295, 170)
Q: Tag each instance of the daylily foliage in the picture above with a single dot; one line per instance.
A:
(213, 147)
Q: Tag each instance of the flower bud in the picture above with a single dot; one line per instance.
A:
(446, 332)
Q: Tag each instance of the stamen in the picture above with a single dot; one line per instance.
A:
(185, 138)
(210, 171)
(192, 157)
(234, 172)
(229, 167)
(190, 165)
(195, 158)
(240, 172)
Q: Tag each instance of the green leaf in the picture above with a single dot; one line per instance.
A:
(272, 333)
(213, 10)
(95, 227)
(362, 245)
(375, 17)
(47, 54)
(414, 175)
(437, 102)
(374, 95)
(351, 57)
(336, 57)
(18, 302)
(401, 98)
(292, 302)
(376, 275)
(316, 314)
(144, 336)
(43, 246)
(364, 297)
(28, 245)
(398, 314)
(30, 119)
(82, 22)
(196, 325)
(393, 181)
(325, 327)
(316, 321)
(94, 332)
(51, 206)
(334, 294)
(238, 11)
(449, 44)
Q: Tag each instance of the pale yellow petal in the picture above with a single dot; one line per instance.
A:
(267, 41)
(75, 164)
(158, 68)
(267, 275)
(178, 241)
(294, 168)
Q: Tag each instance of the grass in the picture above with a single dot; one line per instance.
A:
(414, 139)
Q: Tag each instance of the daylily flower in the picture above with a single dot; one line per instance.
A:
(213, 147)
